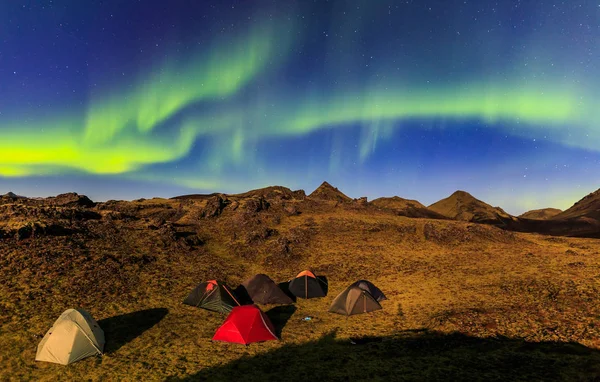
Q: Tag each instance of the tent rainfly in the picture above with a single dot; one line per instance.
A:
(371, 288)
(263, 290)
(244, 325)
(307, 285)
(212, 295)
(354, 300)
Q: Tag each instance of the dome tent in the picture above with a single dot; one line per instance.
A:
(244, 325)
(74, 336)
(354, 300)
(371, 288)
(263, 290)
(307, 285)
(212, 295)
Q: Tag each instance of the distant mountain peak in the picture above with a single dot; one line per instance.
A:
(12, 195)
(325, 184)
(463, 206)
(462, 194)
(328, 192)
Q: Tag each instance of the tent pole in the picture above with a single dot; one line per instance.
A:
(227, 289)
(305, 286)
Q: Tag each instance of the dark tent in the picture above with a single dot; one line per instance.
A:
(242, 296)
(285, 287)
(369, 287)
(307, 285)
(263, 290)
(212, 295)
(354, 300)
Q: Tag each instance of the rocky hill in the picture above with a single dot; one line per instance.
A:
(541, 214)
(327, 192)
(406, 207)
(463, 206)
(587, 207)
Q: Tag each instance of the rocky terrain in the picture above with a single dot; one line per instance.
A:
(406, 207)
(465, 296)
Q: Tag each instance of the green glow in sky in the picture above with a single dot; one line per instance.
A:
(108, 144)
(121, 130)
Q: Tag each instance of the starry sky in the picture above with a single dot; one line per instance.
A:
(121, 99)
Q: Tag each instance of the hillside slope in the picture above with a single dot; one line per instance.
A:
(406, 207)
(131, 264)
(463, 206)
(541, 214)
(327, 192)
(587, 207)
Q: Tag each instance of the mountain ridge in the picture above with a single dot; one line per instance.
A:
(582, 219)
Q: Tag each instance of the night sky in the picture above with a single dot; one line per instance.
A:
(125, 99)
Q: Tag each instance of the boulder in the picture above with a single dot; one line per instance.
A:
(214, 206)
(71, 199)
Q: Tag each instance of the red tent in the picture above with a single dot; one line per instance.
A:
(244, 325)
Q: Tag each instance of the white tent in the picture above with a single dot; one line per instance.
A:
(74, 336)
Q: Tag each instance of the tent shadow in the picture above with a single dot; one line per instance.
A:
(415, 355)
(120, 330)
(285, 287)
(279, 316)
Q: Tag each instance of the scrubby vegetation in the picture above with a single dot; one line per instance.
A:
(465, 301)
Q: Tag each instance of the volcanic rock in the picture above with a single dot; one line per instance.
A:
(71, 199)
(256, 204)
(214, 206)
(362, 201)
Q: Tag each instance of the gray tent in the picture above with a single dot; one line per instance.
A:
(354, 300)
(371, 288)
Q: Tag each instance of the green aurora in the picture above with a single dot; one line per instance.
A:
(228, 96)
